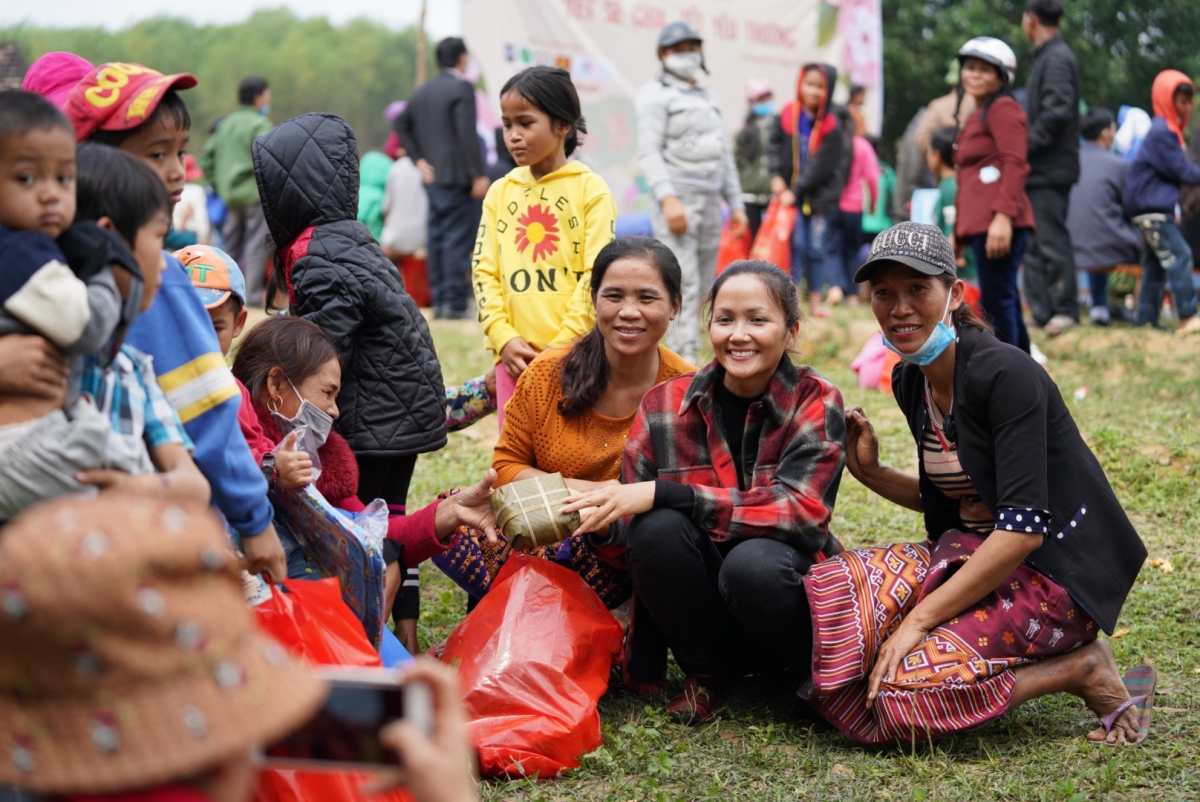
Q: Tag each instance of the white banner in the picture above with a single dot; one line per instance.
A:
(610, 47)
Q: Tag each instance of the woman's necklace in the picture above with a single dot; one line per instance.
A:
(935, 415)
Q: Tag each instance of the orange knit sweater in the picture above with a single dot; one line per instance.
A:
(536, 435)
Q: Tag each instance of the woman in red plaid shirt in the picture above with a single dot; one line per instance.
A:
(730, 475)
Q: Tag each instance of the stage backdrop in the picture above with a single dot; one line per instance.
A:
(609, 47)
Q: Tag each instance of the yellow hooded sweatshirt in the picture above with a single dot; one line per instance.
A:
(534, 253)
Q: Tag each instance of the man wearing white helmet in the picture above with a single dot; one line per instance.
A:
(1052, 102)
(685, 156)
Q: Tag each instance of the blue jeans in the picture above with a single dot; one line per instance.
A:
(843, 236)
(1098, 287)
(453, 220)
(1000, 298)
(808, 250)
(1168, 257)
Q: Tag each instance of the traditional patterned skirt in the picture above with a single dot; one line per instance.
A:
(472, 562)
(961, 674)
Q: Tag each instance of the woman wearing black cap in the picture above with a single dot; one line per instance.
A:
(1030, 553)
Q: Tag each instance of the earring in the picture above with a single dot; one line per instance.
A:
(277, 403)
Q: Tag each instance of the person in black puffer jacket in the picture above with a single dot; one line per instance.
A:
(392, 399)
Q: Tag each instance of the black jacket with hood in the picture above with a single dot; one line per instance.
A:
(822, 180)
(392, 402)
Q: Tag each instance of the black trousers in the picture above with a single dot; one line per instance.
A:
(388, 478)
(1051, 287)
(722, 608)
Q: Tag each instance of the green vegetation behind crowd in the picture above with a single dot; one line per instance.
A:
(356, 69)
(1141, 417)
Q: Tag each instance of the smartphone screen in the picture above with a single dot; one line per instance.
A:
(344, 733)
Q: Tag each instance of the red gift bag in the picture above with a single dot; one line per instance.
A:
(774, 241)
(533, 660)
(313, 622)
(732, 248)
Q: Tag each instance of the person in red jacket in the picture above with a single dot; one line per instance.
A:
(995, 217)
(292, 374)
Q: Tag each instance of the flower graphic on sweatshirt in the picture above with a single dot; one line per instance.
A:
(539, 228)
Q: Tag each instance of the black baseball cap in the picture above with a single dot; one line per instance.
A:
(920, 246)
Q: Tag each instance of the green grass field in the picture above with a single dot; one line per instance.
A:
(1140, 415)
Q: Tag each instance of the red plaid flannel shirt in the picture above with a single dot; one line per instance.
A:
(794, 450)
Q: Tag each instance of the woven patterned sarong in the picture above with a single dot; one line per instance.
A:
(961, 674)
(472, 562)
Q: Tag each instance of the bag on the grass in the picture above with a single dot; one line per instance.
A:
(732, 248)
(774, 241)
(528, 512)
(533, 660)
(310, 619)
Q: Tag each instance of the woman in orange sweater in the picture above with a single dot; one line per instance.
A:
(573, 407)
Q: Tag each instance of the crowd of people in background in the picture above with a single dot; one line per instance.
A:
(706, 491)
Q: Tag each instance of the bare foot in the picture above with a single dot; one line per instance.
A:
(1103, 692)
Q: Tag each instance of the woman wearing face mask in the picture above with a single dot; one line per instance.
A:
(751, 151)
(685, 155)
(293, 375)
(994, 216)
(1029, 556)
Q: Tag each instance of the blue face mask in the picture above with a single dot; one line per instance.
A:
(764, 109)
(265, 110)
(932, 348)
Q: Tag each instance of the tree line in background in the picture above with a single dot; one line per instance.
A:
(353, 70)
(356, 69)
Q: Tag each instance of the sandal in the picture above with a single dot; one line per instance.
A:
(1140, 683)
(697, 702)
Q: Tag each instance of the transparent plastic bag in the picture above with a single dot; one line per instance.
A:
(371, 522)
(303, 443)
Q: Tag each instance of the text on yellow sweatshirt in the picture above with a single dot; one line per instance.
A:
(534, 253)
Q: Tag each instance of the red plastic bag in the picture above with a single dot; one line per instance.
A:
(533, 661)
(732, 248)
(313, 622)
(774, 241)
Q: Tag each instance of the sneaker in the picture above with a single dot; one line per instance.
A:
(1189, 326)
(1037, 355)
(1100, 315)
(697, 702)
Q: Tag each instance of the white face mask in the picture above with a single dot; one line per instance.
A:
(318, 422)
(683, 65)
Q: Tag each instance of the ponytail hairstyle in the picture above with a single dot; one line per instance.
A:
(965, 315)
(584, 373)
(550, 90)
(777, 283)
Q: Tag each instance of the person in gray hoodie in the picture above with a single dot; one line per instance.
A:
(688, 164)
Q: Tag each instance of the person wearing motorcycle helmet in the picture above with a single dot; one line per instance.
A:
(688, 164)
(995, 217)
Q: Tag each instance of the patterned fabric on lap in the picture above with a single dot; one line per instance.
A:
(473, 563)
(961, 675)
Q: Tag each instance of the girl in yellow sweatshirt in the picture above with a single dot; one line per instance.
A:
(541, 229)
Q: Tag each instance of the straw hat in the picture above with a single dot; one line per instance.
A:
(129, 656)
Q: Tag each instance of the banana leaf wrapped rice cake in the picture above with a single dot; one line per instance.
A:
(528, 512)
